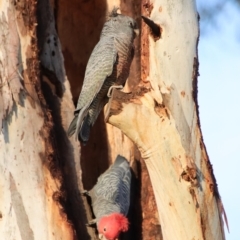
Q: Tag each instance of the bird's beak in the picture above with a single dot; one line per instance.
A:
(136, 31)
(101, 236)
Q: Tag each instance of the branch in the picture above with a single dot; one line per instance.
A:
(152, 128)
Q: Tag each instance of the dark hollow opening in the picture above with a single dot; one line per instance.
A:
(79, 24)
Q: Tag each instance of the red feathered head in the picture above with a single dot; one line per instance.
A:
(112, 225)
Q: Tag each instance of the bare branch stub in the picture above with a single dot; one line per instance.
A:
(115, 104)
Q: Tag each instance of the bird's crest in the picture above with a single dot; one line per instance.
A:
(114, 12)
(123, 222)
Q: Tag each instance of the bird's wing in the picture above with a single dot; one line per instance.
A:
(100, 66)
(115, 184)
(125, 188)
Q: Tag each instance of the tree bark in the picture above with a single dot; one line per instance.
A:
(154, 123)
(40, 176)
(161, 117)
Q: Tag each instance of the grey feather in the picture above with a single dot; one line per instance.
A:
(108, 64)
(111, 194)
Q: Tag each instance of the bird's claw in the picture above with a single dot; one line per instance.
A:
(109, 94)
(85, 193)
(92, 222)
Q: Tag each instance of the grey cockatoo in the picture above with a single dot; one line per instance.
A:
(107, 67)
(111, 199)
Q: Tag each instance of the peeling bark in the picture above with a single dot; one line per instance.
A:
(10, 62)
(40, 177)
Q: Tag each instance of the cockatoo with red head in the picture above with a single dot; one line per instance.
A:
(111, 199)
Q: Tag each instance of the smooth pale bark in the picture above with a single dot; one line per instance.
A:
(164, 124)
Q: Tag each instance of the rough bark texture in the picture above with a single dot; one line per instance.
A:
(27, 185)
(40, 171)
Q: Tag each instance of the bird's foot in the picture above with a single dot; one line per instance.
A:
(109, 94)
(92, 222)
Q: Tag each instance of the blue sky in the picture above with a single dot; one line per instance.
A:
(219, 105)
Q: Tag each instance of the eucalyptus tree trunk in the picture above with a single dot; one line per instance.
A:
(153, 122)
(40, 175)
(161, 117)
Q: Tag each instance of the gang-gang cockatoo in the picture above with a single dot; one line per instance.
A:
(107, 67)
(111, 199)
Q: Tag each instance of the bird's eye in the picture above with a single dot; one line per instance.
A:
(130, 24)
(104, 229)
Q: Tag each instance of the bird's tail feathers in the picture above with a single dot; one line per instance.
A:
(83, 112)
(72, 127)
(84, 133)
(119, 160)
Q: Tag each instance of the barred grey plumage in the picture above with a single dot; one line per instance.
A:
(111, 194)
(108, 65)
